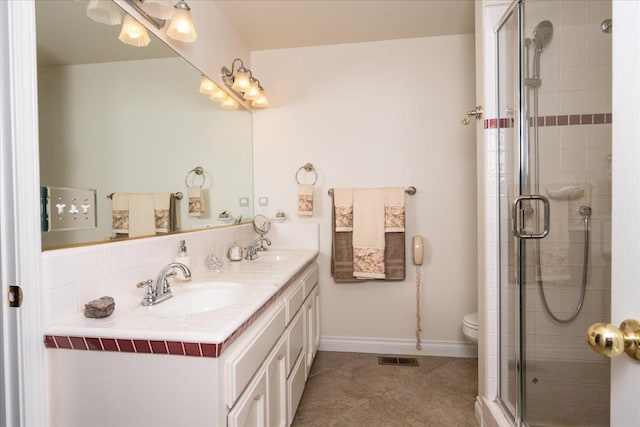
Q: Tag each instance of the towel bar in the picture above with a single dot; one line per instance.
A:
(409, 190)
(177, 195)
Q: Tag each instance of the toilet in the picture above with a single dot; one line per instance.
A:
(470, 326)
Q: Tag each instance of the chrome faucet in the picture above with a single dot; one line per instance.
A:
(158, 290)
(260, 241)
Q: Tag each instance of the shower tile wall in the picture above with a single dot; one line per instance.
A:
(567, 383)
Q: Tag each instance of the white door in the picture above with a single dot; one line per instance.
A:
(625, 288)
(22, 392)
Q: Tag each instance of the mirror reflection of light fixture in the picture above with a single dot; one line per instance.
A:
(243, 84)
(229, 103)
(104, 12)
(217, 94)
(161, 9)
(133, 33)
(206, 85)
(181, 27)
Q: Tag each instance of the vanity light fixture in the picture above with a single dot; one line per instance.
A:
(158, 12)
(217, 94)
(181, 27)
(229, 103)
(104, 12)
(243, 84)
(133, 33)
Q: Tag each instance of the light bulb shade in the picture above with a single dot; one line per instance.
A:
(241, 80)
(206, 85)
(261, 101)
(133, 33)
(161, 9)
(229, 104)
(218, 94)
(182, 28)
(104, 12)
(253, 91)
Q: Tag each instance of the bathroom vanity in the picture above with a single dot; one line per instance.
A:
(242, 364)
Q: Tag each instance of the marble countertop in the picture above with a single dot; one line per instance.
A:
(258, 282)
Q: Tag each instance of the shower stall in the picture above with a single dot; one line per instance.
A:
(554, 160)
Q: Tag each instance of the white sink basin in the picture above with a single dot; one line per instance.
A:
(272, 257)
(198, 297)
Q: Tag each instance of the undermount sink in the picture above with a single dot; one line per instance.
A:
(273, 257)
(197, 297)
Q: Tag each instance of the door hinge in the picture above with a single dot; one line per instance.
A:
(14, 296)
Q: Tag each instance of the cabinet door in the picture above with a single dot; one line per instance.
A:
(316, 328)
(251, 409)
(276, 369)
(309, 331)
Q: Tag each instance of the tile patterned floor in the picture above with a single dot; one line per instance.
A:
(352, 389)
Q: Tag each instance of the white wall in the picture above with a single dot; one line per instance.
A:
(371, 115)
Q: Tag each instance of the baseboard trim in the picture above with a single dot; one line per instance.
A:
(397, 346)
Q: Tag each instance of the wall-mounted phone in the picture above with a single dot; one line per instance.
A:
(417, 250)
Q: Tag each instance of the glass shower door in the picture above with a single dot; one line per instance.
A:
(554, 153)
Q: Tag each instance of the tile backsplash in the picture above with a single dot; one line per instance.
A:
(74, 276)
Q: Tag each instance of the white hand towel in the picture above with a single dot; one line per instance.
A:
(141, 215)
(305, 199)
(394, 210)
(343, 203)
(368, 233)
(196, 201)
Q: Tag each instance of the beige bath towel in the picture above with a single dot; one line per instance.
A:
(305, 199)
(120, 215)
(162, 212)
(368, 233)
(343, 209)
(196, 201)
(394, 210)
(141, 215)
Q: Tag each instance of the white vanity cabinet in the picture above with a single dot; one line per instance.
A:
(256, 380)
(273, 395)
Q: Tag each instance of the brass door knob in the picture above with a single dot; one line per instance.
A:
(610, 341)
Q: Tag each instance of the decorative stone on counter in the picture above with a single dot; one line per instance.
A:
(99, 308)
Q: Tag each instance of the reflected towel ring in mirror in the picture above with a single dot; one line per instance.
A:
(307, 167)
(197, 171)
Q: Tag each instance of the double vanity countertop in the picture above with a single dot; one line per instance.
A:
(205, 314)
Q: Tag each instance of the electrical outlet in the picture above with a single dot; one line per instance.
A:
(263, 203)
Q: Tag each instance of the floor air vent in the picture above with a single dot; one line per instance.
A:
(399, 361)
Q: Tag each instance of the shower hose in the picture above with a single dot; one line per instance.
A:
(585, 212)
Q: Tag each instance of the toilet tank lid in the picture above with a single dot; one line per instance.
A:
(471, 318)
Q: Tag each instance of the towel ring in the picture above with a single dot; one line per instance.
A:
(198, 171)
(307, 167)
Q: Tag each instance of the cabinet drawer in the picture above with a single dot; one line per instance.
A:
(310, 279)
(294, 301)
(243, 366)
(295, 385)
(295, 340)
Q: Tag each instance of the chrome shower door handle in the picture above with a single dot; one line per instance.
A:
(517, 220)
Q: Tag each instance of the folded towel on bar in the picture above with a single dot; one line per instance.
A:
(142, 216)
(342, 266)
(343, 209)
(162, 212)
(120, 213)
(394, 209)
(305, 199)
(368, 233)
(196, 201)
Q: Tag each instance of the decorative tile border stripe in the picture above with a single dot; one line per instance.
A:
(179, 348)
(560, 120)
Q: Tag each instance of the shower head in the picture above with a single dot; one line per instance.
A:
(542, 34)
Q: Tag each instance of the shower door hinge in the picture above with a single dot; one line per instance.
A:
(14, 296)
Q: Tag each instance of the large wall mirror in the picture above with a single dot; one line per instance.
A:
(124, 119)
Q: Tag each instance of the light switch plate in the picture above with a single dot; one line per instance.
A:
(68, 208)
